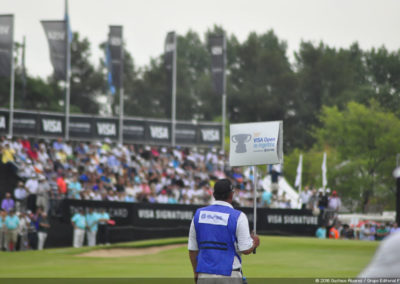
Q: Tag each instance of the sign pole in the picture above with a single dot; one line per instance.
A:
(11, 119)
(255, 181)
(174, 92)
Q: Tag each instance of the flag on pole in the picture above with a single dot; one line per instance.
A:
(218, 50)
(324, 171)
(297, 183)
(6, 44)
(57, 38)
(114, 57)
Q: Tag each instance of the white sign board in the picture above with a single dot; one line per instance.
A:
(258, 143)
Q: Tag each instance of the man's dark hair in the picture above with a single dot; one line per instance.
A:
(222, 189)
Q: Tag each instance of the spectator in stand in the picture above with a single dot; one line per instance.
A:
(7, 153)
(62, 186)
(8, 203)
(21, 196)
(74, 188)
(79, 224)
(103, 218)
(32, 185)
(92, 221)
(44, 226)
(313, 200)
(266, 198)
(334, 202)
(12, 223)
(322, 200)
(305, 197)
(321, 232)
(43, 192)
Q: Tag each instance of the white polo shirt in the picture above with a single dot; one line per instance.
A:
(244, 240)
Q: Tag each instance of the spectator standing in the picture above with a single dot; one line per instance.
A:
(79, 224)
(3, 215)
(321, 232)
(42, 199)
(381, 232)
(24, 223)
(44, 226)
(20, 195)
(395, 228)
(74, 188)
(334, 232)
(266, 198)
(313, 200)
(8, 203)
(12, 223)
(104, 217)
(305, 197)
(32, 185)
(334, 202)
(92, 220)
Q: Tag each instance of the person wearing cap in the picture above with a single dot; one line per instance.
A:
(334, 202)
(218, 236)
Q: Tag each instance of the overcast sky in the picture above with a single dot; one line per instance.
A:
(372, 23)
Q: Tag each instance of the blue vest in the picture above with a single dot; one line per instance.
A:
(216, 236)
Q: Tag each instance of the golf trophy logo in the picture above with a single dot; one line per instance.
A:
(241, 139)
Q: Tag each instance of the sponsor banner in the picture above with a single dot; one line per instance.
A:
(106, 128)
(6, 44)
(185, 133)
(57, 38)
(3, 122)
(210, 135)
(258, 143)
(134, 130)
(51, 125)
(81, 127)
(218, 50)
(158, 131)
(25, 123)
(115, 53)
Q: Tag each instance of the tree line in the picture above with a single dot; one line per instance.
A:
(344, 101)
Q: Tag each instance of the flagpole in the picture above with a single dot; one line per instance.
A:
(174, 92)
(11, 118)
(121, 96)
(255, 202)
(67, 73)
(23, 73)
(224, 97)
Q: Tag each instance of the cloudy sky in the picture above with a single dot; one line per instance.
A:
(372, 23)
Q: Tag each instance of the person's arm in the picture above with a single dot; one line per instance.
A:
(193, 259)
(246, 242)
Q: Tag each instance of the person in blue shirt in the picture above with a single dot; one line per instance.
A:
(92, 221)
(11, 223)
(104, 217)
(218, 236)
(3, 215)
(79, 224)
(321, 232)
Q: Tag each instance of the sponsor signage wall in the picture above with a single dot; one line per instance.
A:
(135, 221)
(135, 130)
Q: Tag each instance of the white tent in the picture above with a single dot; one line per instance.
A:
(284, 186)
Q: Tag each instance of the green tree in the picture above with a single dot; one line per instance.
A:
(367, 140)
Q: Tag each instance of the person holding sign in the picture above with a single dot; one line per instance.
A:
(218, 236)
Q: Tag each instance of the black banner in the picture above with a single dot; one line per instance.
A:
(135, 130)
(116, 53)
(136, 221)
(57, 37)
(218, 50)
(169, 53)
(6, 44)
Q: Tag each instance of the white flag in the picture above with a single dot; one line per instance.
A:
(324, 170)
(297, 183)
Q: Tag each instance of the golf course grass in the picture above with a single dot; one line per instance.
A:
(279, 257)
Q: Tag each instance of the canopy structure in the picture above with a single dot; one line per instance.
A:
(284, 186)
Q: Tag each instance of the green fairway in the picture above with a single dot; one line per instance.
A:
(276, 257)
